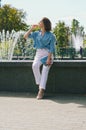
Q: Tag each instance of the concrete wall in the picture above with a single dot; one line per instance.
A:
(65, 76)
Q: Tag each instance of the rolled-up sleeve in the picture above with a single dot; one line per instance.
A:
(33, 35)
(52, 44)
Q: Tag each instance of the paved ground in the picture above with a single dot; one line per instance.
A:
(22, 111)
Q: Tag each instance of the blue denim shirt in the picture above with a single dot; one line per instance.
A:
(47, 41)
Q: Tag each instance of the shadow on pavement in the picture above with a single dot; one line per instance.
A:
(68, 98)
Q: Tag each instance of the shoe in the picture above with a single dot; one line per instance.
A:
(40, 94)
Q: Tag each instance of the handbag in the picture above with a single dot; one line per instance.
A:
(43, 60)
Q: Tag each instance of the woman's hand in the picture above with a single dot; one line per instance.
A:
(30, 30)
(34, 26)
(49, 61)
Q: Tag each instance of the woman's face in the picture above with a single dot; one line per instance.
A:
(41, 24)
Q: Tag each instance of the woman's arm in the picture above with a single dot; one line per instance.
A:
(49, 59)
(52, 50)
(29, 31)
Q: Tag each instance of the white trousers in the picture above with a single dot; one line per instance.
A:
(40, 76)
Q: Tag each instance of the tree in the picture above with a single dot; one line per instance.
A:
(61, 32)
(75, 26)
(12, 18)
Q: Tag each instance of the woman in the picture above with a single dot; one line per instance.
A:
(44, 42)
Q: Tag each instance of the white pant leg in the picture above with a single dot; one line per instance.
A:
(44, 77)
(40, 77)
(36, 71)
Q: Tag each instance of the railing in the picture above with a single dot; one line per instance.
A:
(61, 53)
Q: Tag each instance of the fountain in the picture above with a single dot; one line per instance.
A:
(14, 41)
(7, 44)
(77, 40)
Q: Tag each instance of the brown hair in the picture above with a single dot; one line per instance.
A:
(47, 24)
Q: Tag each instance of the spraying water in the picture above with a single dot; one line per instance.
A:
(9, 41)
(77, 40)
(7, 44)
(12, 46)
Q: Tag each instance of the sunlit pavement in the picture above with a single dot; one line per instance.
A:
(22, 111)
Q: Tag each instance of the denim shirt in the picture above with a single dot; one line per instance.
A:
(47, 41)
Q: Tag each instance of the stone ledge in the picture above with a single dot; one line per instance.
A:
(64, 77)
(59, 63)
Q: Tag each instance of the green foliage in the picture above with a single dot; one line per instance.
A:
(12, 18)
(66, 53)
(20, 46)
(84, 43)
(75, 26)
(24, 47)
(61, 32)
